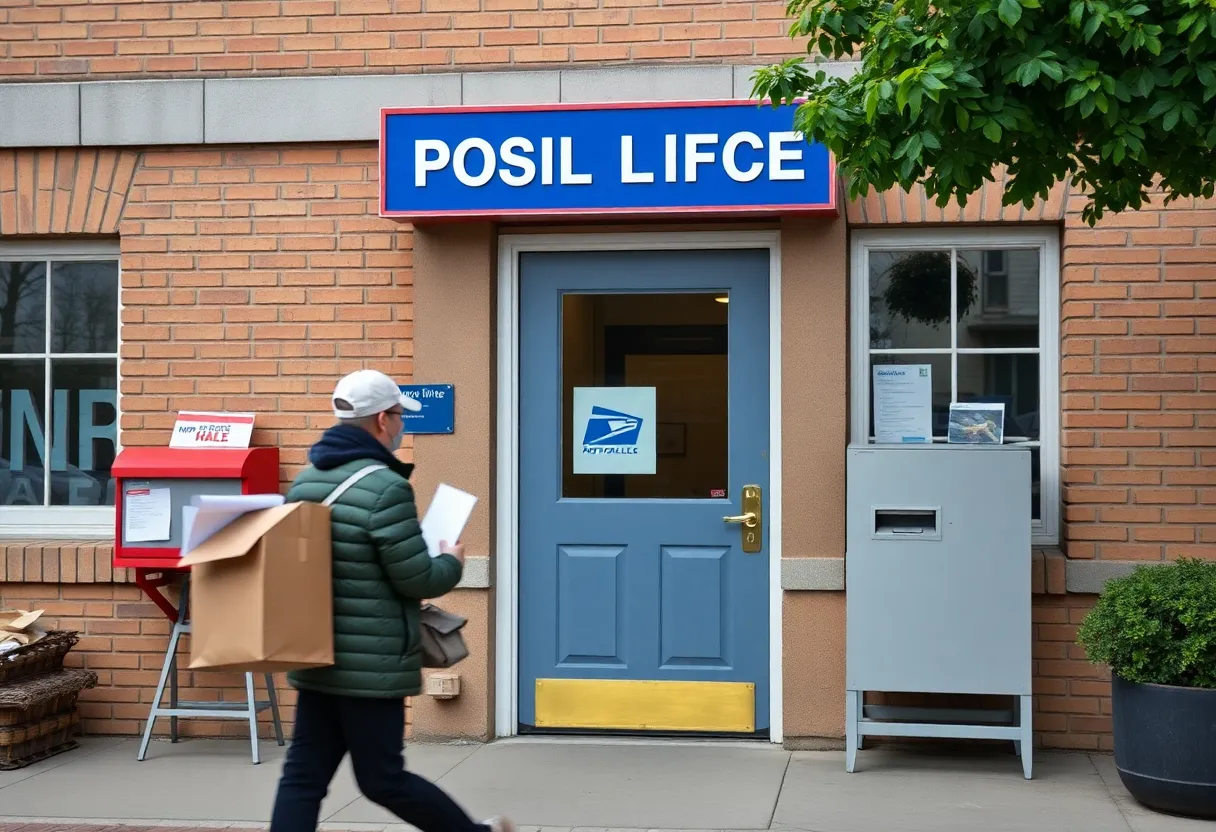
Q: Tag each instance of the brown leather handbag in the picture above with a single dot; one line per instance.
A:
(442, 643)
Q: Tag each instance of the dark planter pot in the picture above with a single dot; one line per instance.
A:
(1165, 746)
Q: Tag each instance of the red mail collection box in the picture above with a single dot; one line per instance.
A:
(155, 484)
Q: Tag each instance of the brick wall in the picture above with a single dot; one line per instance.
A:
(53, 40)
(123, 639)
(124, 636)
(1071, 696)
(1138, 391)
(252, 281)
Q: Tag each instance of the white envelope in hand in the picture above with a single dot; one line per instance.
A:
(446, 517)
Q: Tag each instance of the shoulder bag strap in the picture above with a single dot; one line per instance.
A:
(351, 480)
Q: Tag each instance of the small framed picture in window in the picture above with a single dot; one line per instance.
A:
(976, 424)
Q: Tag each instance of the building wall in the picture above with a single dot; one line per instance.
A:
(255, 276)
(181, 38)
(1138, 390)
(253, 279)
(123, 640)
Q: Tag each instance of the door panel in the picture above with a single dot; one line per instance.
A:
(639, 609)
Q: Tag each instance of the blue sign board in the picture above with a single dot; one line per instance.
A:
(721, 157)
(438, 414)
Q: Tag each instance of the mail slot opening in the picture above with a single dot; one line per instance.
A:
(905, 521)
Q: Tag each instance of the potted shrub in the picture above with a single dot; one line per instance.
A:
(1156, 629)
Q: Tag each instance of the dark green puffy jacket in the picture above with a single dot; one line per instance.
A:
(381, 574)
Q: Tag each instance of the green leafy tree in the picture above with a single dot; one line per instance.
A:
(1117, 94)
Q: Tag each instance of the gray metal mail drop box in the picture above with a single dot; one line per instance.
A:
(938, 594)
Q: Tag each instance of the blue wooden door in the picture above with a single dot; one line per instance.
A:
(639, 610)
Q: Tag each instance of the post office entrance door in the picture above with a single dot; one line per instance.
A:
(644, 461)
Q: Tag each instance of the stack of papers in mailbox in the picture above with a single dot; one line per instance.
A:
(208, 513)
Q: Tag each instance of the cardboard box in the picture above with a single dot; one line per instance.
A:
(261, 592)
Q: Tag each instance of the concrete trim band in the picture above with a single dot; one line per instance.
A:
(1082, 577)
(326, 108)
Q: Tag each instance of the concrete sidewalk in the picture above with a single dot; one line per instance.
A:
(578, 784)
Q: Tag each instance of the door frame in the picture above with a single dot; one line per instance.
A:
(506, 553)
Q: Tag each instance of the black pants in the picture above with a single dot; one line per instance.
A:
(373, 731)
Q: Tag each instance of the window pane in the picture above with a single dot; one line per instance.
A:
(1011, 379)
(84, 307)
(85, 431)
(676, 343)
(1003, 289)
(909, 299)
(22, 396)
(940, 373)
(22, 308)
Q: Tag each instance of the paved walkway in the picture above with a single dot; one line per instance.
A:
(584, 785)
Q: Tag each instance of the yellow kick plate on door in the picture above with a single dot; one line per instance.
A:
(618, 704)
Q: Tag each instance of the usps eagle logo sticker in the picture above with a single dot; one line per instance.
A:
(614, 430)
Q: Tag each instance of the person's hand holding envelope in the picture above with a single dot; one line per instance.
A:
(445, 519)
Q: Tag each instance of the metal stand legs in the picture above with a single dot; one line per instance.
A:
(206, 710)
(862, 720)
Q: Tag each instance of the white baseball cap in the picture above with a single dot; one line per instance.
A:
(368, 392)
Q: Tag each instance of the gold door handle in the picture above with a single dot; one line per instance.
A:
(751, 535)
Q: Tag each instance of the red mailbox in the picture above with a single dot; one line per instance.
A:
(167, 479)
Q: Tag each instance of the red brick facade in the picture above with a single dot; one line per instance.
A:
(52, 40)
(253, 280)
(254, 277)
(1138, 326)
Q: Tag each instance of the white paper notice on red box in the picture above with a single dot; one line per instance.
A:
(212, 430)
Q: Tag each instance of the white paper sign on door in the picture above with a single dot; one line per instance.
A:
(903, 403)
(614, 430)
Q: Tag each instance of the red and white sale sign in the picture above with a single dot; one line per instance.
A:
(212, 430)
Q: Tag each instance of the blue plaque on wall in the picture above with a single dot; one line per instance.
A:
(438, 414)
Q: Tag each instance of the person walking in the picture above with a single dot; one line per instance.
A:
(381, 574)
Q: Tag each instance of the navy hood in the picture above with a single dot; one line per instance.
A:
(346, 443)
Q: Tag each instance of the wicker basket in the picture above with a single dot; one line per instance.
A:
(51, 694)
(26, 744)
(44, 656)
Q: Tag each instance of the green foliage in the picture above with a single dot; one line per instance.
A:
(1113, 92)
(1157, 625)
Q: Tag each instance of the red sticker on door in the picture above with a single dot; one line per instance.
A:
(717, 492)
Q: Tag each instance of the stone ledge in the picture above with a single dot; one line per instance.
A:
(476, 573)
(1089, 577)
(812, 574)
(1052, 573)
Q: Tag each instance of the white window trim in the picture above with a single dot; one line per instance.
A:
(1046, 532)
(66, 522)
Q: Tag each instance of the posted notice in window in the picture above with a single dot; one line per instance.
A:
(903, 403)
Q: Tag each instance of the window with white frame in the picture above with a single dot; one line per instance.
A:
(1001, 344)
(58, 389)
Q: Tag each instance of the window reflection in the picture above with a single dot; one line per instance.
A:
(71, 434)
(84, 307)
(676, 343)
(22, 308)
